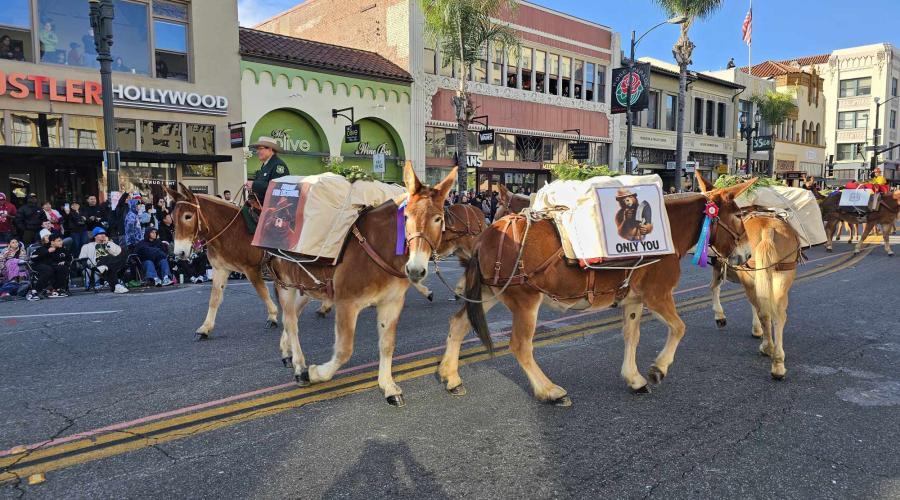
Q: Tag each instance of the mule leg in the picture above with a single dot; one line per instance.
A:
(831, 227)
(448, 371)
(868, 229)
(298, 304)
(346, 314)
(324, 308)
(524, 310)
(715, 287)
(388, 315)
(666, 310)
(886, 234)
(782, 286)
(285, 343)
(631, 332)
(259, 285)
(220, 280)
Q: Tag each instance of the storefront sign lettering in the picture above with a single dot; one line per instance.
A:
(473, 160)
(365, 150)
(40, 88)
(169, 100)
(283, 137)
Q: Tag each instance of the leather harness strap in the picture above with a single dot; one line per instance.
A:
(374, 255)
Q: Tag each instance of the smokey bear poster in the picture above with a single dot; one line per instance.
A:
(634, 221)
(282, 217)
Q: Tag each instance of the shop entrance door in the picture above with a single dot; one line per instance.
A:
(71, 182)
(488, 181)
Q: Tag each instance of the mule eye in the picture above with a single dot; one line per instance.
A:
(438, 220)
(188, 216)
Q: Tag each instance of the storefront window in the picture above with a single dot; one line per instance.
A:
(131, 51)
(86, 132)
(566, 74)
(36, 130)
(64, 31)
(579, 78)
(171, 50)
(526, 68)
(601, 83)
(540, 70)
(205, 170)
(147, 177)
(161, 137)
(126, 135)
(512, 64)
(201, 139)
(15, 30)
(590, 73)
(553, 71)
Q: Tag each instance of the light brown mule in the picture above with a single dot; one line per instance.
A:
(542, 275)
(510, 203)
(368, 274)
(221, 226)
(767, 278)
(884, 217)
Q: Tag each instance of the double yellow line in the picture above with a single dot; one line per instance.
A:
(44, 459)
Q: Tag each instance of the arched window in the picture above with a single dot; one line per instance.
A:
(803, 137)
(818, 135)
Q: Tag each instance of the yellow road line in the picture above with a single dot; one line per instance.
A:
(155, 433)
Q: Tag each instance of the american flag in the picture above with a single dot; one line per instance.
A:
(747, 28)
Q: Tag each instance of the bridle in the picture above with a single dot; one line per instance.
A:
(201, 219)
(717, 222)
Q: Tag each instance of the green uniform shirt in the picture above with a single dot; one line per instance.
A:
(273, 169)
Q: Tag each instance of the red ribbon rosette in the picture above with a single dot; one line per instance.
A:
(711, 210)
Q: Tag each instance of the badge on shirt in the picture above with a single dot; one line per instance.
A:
(280, 170)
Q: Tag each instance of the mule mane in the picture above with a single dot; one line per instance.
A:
(681, 197)
(216, 201)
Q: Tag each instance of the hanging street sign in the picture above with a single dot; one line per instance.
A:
(763, 143)
(638, 80)
(351, 133)
(486, 136)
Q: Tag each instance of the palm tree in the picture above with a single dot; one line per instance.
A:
(683, 50)
(774, 107)
(463, 30)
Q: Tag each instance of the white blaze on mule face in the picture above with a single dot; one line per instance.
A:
(183, 247)
(421, 234)
(419, 249)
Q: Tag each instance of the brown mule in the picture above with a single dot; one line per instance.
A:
(542, 275)
(220, 225)
(369, 273)
(884, 217)
(767, 278)
(462, 225)
(510, 203)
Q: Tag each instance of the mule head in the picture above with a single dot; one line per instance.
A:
(504, 198)
(186, 216)
(730, 238)
(424, 220)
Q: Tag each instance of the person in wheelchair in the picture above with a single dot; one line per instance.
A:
(104, 258)
(154, 255)
(51, 263)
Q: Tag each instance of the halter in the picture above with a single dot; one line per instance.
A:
(200, 220)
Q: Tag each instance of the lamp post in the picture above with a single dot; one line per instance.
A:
(747, 131)
(102, 14)
(876, 133)
(628, 78)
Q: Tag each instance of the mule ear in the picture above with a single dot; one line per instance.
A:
(443, 188)
(410, 179)
(705, 185)
(172, 193)
(731, 194)
(185, 191)
(504, 194)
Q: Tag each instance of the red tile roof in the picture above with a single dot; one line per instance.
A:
(769, 69)
(284, 49)
(806, 61)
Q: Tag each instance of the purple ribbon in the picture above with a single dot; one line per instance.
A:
(701, 252)
(401, 229)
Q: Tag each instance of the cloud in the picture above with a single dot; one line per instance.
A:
(253, 12)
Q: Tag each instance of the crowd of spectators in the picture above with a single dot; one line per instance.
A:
(486, 202)
(44, 249)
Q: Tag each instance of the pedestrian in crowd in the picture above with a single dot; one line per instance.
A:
(132, 232)
(195, 268)
(226, 195)
(9, 262)
(161, 210)
(145, 216)
(49, 40)
(75, 225)
(50, 263)
(117, 218)
(96, 215)
(154, 255)
(106, 259)
(28, 220)
(7, 218)
(167, 230)
(494, 204)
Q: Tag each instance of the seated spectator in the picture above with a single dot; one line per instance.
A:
(95, 214)
(7, 216)
(167, 230)
(106, 259)
(154, 254)
(195, 268)
(50, 262)
(9, 262)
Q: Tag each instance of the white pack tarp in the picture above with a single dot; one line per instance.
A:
(798, 204)
(328, 206)
(606, 218)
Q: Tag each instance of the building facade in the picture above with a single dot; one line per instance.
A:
(175, 84)
(709, 132)
(534, 98)
(292, 89)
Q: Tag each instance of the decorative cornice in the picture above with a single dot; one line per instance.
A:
(443, 82)
(521, 131)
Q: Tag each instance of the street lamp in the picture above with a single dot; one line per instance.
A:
(675, 20)
(747, 133)
(102, 14)
(876, 133)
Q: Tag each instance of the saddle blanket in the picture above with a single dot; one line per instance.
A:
(609, 218)
(312, 215)
(798, 205)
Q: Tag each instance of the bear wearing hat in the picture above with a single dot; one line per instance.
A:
(272, 167)
(630, 224)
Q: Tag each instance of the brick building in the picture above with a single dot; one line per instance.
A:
(558, 81)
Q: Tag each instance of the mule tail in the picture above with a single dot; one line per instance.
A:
(766, 256)
(474, 305)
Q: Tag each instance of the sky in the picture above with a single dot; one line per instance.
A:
(782, 29)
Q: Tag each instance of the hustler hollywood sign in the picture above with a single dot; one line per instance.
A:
(41, 88)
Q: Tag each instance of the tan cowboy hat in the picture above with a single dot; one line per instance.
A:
(267, 142)
(624, 193)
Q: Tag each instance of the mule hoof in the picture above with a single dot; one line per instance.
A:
(829, 250)
(459, 390)
(641, 390)
(287, 361)
(778, 376)
(396, 401)
(721, 323)
(655, 375)
(891, 254)
(303, 379)
(201, 336)
(271, 323)
(563, 402)
(430, 297)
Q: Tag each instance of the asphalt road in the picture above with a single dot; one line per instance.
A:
(138, 409)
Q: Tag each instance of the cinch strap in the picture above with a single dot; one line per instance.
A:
(401, 229)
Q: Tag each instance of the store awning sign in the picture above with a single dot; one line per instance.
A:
(44, 88)
(637, 79)
(486, 136)
(132, 96)
(352, 133)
